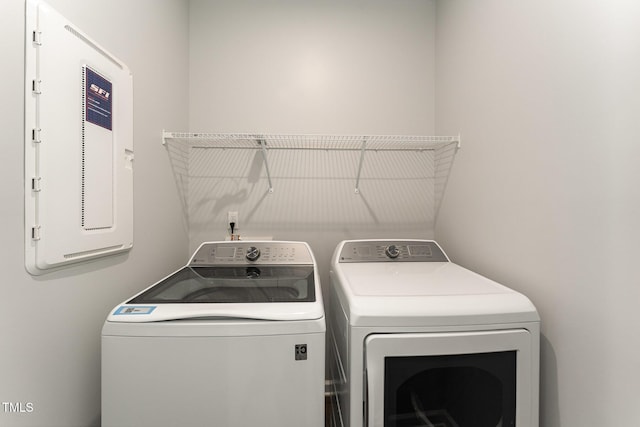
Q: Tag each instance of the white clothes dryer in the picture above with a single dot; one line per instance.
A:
(234, 338)
(416, 340)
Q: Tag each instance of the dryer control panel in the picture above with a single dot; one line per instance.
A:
(248, 252)
(392, 251)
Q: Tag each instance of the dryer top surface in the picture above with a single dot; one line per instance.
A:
(416, 280)
(424, 293)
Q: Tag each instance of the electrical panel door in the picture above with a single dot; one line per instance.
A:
(78, 145)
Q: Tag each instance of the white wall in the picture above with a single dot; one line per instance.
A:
(286, 66)
(542, 196)
(544, 193)
(50, 325)
(322, 67)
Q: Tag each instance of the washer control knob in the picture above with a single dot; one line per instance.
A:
(392, 251)
(253, 253)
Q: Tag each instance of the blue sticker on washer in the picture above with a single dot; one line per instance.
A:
(134, 309)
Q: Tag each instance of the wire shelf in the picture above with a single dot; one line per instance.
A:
(310, 142)
(179, 145)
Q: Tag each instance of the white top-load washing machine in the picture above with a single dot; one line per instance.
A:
(234, 338)
(417, 340)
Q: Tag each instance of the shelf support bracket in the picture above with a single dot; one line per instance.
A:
(263, 146)
(362, 151)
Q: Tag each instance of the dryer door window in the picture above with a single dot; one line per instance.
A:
(474, 390)
(479, 379)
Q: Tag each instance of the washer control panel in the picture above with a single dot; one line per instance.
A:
(392, 251)
(239, 253)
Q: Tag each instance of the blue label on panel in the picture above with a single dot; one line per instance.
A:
(99, 99)
(134, 309)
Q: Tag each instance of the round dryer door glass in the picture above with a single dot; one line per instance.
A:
(251, 284)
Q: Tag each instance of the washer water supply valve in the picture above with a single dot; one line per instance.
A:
(232, 217)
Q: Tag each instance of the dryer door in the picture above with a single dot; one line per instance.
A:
(471, 379)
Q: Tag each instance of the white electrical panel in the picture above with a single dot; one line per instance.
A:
(78, 145)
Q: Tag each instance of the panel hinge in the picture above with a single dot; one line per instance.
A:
(35, 232)
(35, 86)
(35, 184)
(37, 38)
(35, 135)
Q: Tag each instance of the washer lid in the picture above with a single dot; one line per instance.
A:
(239, 285)
(265, 292)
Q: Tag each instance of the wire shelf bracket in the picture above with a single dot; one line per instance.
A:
(263, 144)
(360, 163)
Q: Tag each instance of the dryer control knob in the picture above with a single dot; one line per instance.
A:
(392, 251)
(253, 253)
